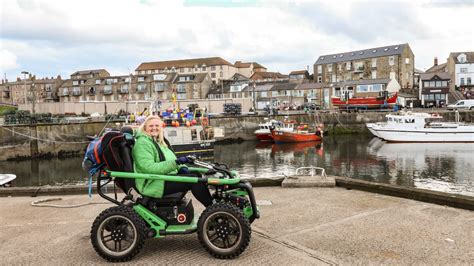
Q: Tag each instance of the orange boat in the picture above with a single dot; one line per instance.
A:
(296, 136)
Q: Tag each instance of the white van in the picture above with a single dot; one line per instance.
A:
(462, 104)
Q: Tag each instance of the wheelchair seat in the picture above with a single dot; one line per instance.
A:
(167, 200)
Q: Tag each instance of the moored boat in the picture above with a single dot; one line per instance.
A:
(263, 133)
(280, 136)
(421, 127)
(365, 102)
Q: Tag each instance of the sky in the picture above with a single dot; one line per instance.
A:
(58, 37)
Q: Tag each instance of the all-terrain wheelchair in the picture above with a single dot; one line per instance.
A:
(223, 229)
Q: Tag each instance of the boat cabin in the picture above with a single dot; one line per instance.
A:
(186, 135)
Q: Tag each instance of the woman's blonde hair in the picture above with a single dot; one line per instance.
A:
(144, 125)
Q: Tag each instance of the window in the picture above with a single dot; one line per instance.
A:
(221, 74)
(274, 93)
(348, 66)
(432, 84)
(65, 91)
(329, 67)
(362, 88)
(320, 69)
(180, 88)
(213, 68)
(320, 79)
(339, 66)
(141, 88)
(391, 60)
(444, 83)
(374, 62)
(124, 88)
(203, 68)
(159, 87)
(407, 61)
(97, 81)
(468, 81)
(333, 78)
(213, 75)
(359, 66)
(75, 82)
(76, 91)
(141, 78)
(374, 74)
(108, 81)
(190, 69)
(115, 80)
(462, 81)
(181, 96)
(463, 69)
(377, 87)
(438, 83)
(107, 89)
(48, 87)
(263, 94)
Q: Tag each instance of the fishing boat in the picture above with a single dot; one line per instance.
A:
(263, 133)
(299, 134)
(421, 127)
(365, 102)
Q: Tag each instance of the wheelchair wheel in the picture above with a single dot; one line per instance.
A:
(224, 231)
(118, 234)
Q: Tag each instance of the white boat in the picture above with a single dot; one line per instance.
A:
(6, 179)
(421, 127)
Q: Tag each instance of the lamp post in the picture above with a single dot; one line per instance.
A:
(24, 76)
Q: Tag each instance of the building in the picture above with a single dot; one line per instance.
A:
(247, 69)
(299, 76)
(355, 73)
(30, 89)
(461, 70)
(265, 77)
(434, 88)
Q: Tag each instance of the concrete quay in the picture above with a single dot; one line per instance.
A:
(302, 226)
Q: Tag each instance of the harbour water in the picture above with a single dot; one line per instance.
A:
(442, 167)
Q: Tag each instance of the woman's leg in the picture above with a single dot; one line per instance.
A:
(199, 190)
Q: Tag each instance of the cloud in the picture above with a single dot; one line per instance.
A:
(8, 61)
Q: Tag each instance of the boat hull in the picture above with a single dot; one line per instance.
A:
(368, 102)
(425, 135)
(264, 136)
(204, 148)
(288, 137)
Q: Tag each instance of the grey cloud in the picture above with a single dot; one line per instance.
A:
(367, 21)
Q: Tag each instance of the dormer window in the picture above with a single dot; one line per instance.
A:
(361, 53)
(374, 51)
(386, 49)
(462, 58)
(396, 48)
(322, 57)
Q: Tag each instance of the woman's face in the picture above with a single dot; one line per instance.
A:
(153, 128)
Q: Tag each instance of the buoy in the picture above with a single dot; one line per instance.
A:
(188, 123)
(176, 124)
(193, 122)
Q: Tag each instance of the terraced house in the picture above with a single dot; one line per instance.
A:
(30, 89)
(367, 72)
(217, 68)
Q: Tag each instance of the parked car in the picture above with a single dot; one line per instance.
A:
(309, 107)
(462, 104)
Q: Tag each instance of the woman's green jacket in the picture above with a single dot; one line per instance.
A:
(146, 160)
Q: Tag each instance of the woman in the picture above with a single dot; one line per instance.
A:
(152, 155)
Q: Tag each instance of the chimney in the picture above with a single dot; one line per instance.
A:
(435, 61)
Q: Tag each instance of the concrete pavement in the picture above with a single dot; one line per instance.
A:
(301, 226)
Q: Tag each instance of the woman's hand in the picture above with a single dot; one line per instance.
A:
(183, 160)
(184, 171)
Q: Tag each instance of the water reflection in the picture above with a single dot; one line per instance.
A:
(442, 167)
(436, 166)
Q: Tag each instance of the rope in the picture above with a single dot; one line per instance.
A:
(45, 140)
(39, 203)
